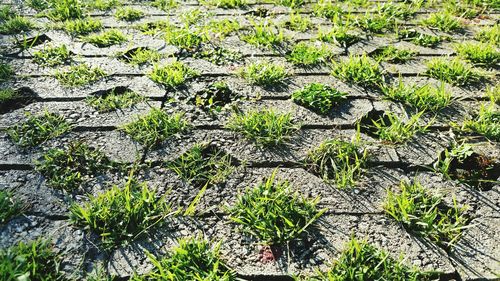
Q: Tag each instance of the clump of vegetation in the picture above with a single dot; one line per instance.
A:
(165, 5)
(340, 35)
(318, 97)
(443, 21)
(79, 75)
(478, 53)
(128, 14)
(264, 73)
(9, 207)
(225, 4)
(392, 129)
(140, 56)
(290, 3)
(219, 55)
(184, 37)
(135, 207)
(362, 261)
(15, 25)
(492, 92)
(421, 39)
(101, 5)
(32, 261)
(426, 214)
(173, 74)
(193, 259)
(359, 70)
(453, 71)
(426, 97)
(105, 39)
(297, 22)
(266, 127)
(393, 54)
(37, 129)
(273, 213)
(155, 127)
(489, 35)
(115, 99)
(11, 99)
(67, 169)
(222, 28)
(81, 27)
(486, 123)
(264, 34)
(306, 54)
(374, 23)
(52, 56)
(61, 10)
(327, 9)
(337, 161)
(6, 72)
(214, 97)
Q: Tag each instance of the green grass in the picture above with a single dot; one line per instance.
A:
(298, 22)
(339, 34)
(192, 259)
(35, 260)
(374, 23)
(165, 5)
(52, 56)
(294, 4)
(400, 10)
(7, 95)
(393, 55)
(6, 12)
(202, 165)
(337, 161)
(214, 97)
(489, 35)
(67, 169)
(9, 207)
(421, 39)
(392, 129)
(492, 92)
(61, 10)
(264, 33)
(453, 71)
(128, 14)
(37, 129)
(80, 27)
(363, 261)
(486, 123)
(141, 56)
(443, 21)
(224, 4)
(220, 29)
(107, 38)
(308, 54)
(101, 5)
(359, 70)
(172, 75)
(327, 9)
(478, 53)
(79, 75)
(6, 71)
(184, 37)
(318, 97)
(114, 100)
(273, 213)
(219, 55)
(155, 127)
(426, 97)
(425, 214)
(15, 25)
(264, 73)
(134, 207)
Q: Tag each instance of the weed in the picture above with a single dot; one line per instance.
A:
(38, 5)
(15, 25)
(101, 5)
(460, 152)
(306, 54)
(462, 10)
(225, 4)
(79, 75)
(115, 99)
(390, 128)
(155, 127)
(37, 129)
(191, 17)
(374, 23)
(327, 9)
(421, 39)
(478, 53)
(7, 95)
(80, 27)
(425, 97)
(61, 10)
(193, 259)
(264, 73)
(52, 56)
(222, 28)
(184, 37)
(426, 214)
(393, 54)
(266, 127)
(318, 97)
(340, 35)
(154, 27)
(32, 261)
(140, 56)
(443, 21)
(290, 3)
(105, 39)
(6, 12)
(219, 55)
(492, 92)
(264, 34)
(6, 72)
(135, 207)
(453, 71)
(165, 5)
(214, 97)
(489, 34)
(173, 74)
(486, 123)
(9, 206)
(129, 14)
(402, 11)
(358, 70)
(297, 22)
(66, 169)
(274, 214)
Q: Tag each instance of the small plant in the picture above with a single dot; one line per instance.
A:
(327, 9)
(264, 34)
(184, 37)
(486, 123)
(458, 152)
(426, 97)
(390, 128)
(492, 92)
(129, 14)
(192, 259)
(155, 127)
(478, 53)
(264, 73)
(265, 127)
(66, 169)
(290, 3)
(489, 35)
(61, 10)
(297, 22)
(214, 97)
(52, 56)
(165, 5)
(318, 97)
(225, 4)
(306, 54)
(105, 39)
(222, 28)
(340, 35)
(362, 261)
(37, 129)
(79, 75)
(374, 23)
(337, 161)
(81, 27)
(135, 208)
(453, 71)
(219, 55)
(358, 70)
(173, 74)
(113, 100)
(15, 25)
(6, 72)
(140, 56)
(426, 214)
(9, 207)
(443, 21)
(101, 5)
(393, 54)
(421, 39)
(273, 213)
(32, 261)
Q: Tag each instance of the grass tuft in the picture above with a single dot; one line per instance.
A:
(61, 10)
(219, 55)
(105, 39)
(214, 97)
(340, 35)
(421, 39)
(79, 75)
(173, 74)
(140, 56)
(80, 27)
(393, 54)
(264, 34)
(9, 207)
(489, 35)
(359, 70)
(308, 54)
(453, 71)
(16, 25)
(6, 72)
(184, 37)
(297, 22)
(114, 100)
(129, 14)
(52, 56)
(443, 21)
(486, 123)
(264, 73)
(224, 4)
(390, 128)
(478, 53)
(318, 97)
